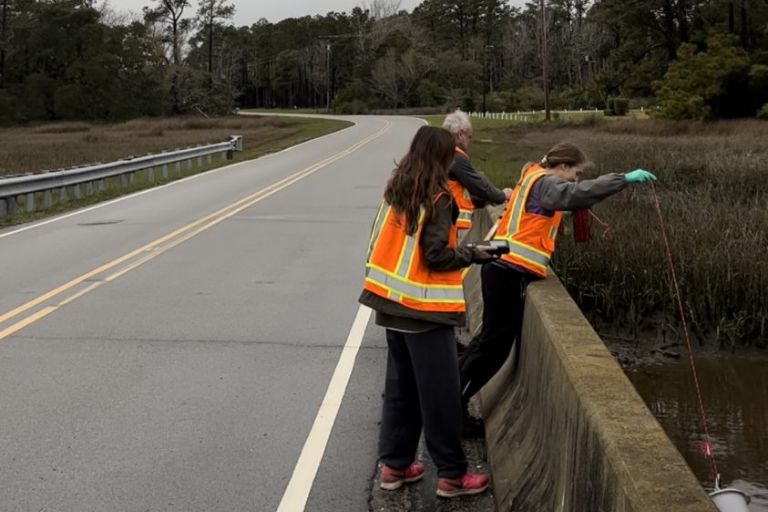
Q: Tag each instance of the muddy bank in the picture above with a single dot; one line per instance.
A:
(651, 350)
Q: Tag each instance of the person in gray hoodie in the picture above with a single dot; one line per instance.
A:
(530, 226)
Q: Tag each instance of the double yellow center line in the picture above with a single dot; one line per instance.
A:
(134, 259)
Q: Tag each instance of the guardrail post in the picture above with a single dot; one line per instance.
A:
(165, 171)
(63, 195)
(131, 178)
(89, 189)
(189, 164)
(199, 162)
(76, 192)
(101, 185)
(225, 155)
(210, 159)
(178, 169)
(47, 199)
(3, 207)
(151, 175)
(29, 205)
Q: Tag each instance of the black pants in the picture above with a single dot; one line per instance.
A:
(503, 301)
(422, 388)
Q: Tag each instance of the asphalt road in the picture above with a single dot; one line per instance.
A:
(171, 350)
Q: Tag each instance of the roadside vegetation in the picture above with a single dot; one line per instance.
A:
(712, 187)
(50, 146)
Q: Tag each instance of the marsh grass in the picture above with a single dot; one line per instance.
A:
(52, 146)
(46, 147)
(713, 188)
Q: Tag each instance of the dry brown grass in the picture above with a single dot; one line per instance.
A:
(59, 145)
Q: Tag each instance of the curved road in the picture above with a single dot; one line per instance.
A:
(171, 350)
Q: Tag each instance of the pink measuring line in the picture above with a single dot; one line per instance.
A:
(665, 240)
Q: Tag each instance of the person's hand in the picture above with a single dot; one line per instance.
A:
(639, 176)
(507, 193)
(481, 256)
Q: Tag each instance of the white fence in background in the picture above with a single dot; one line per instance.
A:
(536, 115)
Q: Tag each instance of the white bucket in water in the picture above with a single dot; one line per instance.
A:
(730, 500)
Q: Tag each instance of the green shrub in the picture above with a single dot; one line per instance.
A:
(525, 99)
(468, 103)
(696, 81)
(37, 98)
(354, 91)
(7, 107)
(70, 102)
(429, 94)
(352, 108)
(763, 112)
(617, 107)
(620, 106)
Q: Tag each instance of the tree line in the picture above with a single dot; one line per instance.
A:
(71, 59)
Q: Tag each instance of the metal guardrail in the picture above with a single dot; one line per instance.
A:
(93, 176)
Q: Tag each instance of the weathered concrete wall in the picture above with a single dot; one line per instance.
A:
(566, 431)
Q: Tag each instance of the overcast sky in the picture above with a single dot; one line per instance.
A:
(250, 11)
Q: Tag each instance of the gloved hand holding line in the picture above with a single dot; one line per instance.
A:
(639, 176)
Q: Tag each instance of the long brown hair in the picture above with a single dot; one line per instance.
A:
(421, 175)
(564, 153)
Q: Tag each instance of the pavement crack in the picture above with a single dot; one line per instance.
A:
(371, 485)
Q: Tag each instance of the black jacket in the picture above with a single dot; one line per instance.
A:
(481, 190)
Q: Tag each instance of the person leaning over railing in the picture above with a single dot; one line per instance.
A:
(469, 188)
(414, 283)
(530, 225)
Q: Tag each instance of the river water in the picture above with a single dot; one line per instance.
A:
(735, 392)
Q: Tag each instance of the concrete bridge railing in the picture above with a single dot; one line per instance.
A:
(565, 429)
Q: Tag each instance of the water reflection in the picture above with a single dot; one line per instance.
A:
(735, 392)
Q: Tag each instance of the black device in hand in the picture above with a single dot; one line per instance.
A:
(493, 247)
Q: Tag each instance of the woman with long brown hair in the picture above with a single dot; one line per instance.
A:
(414, 283)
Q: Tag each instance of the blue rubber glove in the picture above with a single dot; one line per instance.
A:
(639, 176)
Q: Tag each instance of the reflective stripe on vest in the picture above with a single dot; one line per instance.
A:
(464, 202)
(399, 285)
(462, 197)
(395, 269)
(531, 237)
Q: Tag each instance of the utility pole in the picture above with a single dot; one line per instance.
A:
(328, 45)
(545, 58)
(485, 74)
(731, 18)
(328, 76)
(3, 42)
(210, 49)
(744, 24)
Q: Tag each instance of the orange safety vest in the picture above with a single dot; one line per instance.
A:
(396, 270)
(462, 198)
(531, 237)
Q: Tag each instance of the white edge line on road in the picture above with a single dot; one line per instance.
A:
(175, 182)
(297, 493)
